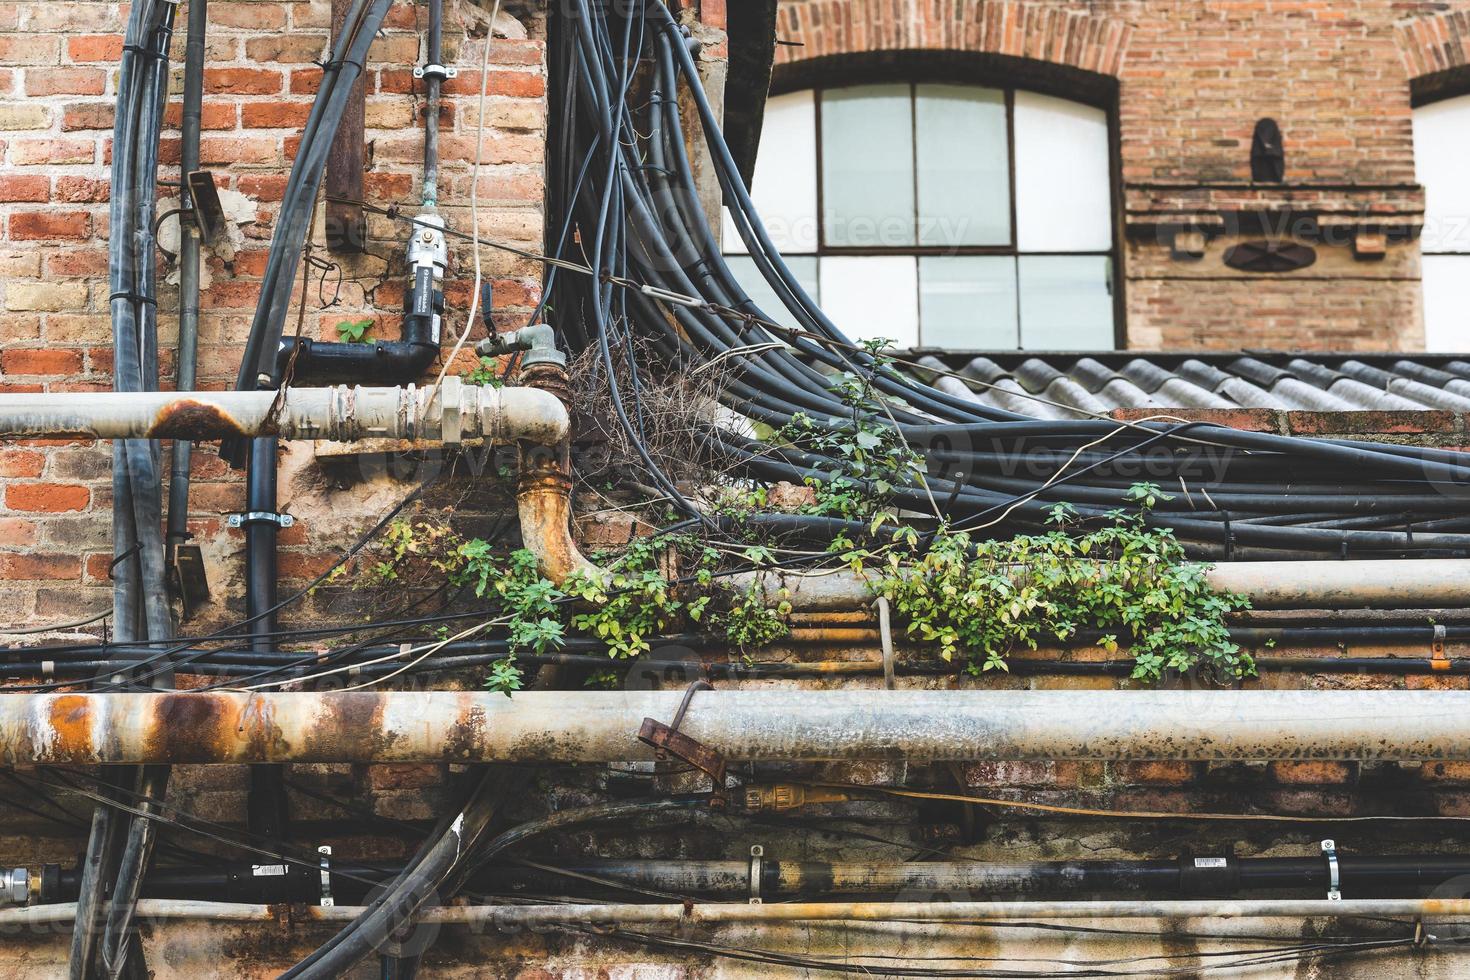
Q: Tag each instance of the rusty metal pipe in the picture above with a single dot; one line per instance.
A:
(757, 725)
(459, 412)
(544, 494)
(511, 917)
(1399, 584)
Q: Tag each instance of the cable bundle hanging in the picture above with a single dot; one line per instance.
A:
(637, 208)
(118, 852)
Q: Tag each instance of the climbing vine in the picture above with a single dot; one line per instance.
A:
(1129, 582)
(1121, 585)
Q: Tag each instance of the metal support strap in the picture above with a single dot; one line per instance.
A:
(326, 864)
(440, 72)
(260, 517)
(1437, 658)
(1334, 873)
(757, 868)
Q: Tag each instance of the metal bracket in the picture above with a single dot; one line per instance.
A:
(440, 72)
(885, 633)
(259, 517)
(1334, 873)
(757, 867)
(209, 213)
(1437, 658)
(188, 577)
(667, 740)
(326, 865)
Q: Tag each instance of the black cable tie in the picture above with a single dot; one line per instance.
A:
(144, 50)
(132, 297)
(1229, 536)
(118, 560)
(1409, 527)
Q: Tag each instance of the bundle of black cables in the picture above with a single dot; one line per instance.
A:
(630, 193)
(118, 851)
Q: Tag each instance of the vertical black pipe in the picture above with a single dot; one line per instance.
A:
(188, 353)
(433, 79)
(266, 803)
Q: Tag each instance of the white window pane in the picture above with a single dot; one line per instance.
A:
(730, 241)
(1447, 303)
(1063, 188)
(804, 267)
(964, 166)
(784, 186)
(1441, 149)
(968, 302)
(1065, 302)
(868, 166)
(872, 296)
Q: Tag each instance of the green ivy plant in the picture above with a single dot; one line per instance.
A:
(355, 331)
(485, 373)
(872, 458)
(982, 599)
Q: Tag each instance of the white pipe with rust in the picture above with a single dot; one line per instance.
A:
(752, 725)
(1419, 583)
(455, 413)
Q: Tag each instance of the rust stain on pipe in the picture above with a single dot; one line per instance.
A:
(69, 721)
(190, 419)
(351, 712)
(190, 728)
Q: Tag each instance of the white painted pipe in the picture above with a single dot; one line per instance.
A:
(453, 413)
(754, 725)
(1421, 583)
(514, 917)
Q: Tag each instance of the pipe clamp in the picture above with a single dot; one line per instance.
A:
(259, 517)
(1437, 659)
(1334, 873)
(326, 865)
(757, 868)
(440, 72)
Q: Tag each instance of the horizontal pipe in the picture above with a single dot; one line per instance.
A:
(756, 725)
(1400, 584)
(510, 917)
(456, 412)
(1360, 875)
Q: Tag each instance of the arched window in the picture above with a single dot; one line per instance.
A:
(1441, 147)
(941, 215)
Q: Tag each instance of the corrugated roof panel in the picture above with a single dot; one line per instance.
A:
(1073, 385)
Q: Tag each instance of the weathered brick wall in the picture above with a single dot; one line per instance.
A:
(1191, 81)
(58, 63)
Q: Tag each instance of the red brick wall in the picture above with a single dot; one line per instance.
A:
(57, 67)
(1192, 79)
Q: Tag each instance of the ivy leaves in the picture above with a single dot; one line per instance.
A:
(354, 331)
(1130, 582)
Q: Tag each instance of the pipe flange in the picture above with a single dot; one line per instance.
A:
(1334, 872)
(451, 408)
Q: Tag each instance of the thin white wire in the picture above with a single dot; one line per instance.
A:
(1068, 464)
(424, 652)
(469, 323)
